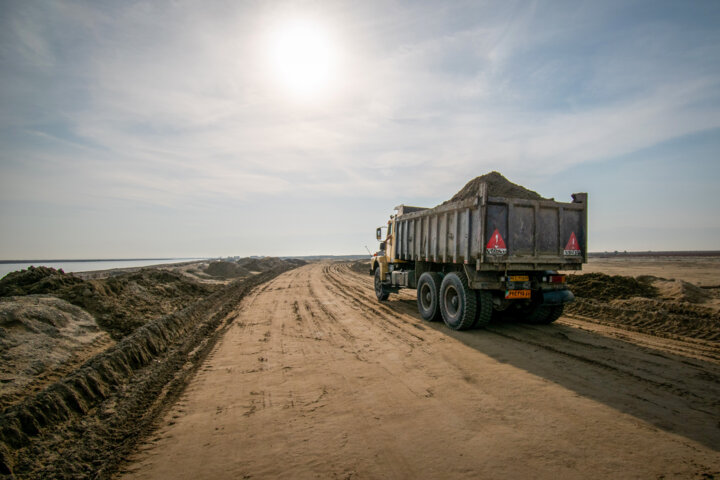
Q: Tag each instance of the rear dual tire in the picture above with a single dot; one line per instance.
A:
(458, 304)
(451, 299)
(545, 315)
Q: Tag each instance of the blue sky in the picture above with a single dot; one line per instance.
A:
(137, 129)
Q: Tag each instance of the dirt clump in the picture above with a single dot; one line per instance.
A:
(497, 186)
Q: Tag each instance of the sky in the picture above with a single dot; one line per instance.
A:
(219, 128)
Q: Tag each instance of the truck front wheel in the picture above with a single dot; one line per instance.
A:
(428, 296)
(381, 291)
(458, 304)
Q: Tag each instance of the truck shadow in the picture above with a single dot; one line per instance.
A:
(674, 393)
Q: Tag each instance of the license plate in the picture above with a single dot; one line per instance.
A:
(519, 278)
(517, 294)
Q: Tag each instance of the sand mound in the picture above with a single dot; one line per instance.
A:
(36, 280)
(88, 421)
(120, 303)
(653, 316)
(599, 286)
(223, 269)
(681, 291)
(263, 264)
(498, 186)
(360, 266)
(248, 266)
(647, 304)
(42, 337)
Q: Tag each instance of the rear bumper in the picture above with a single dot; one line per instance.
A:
(558, 297)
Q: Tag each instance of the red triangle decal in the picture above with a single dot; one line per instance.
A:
(572, 247)
(496, 244)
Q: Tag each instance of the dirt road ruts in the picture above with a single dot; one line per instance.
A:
(316, 379)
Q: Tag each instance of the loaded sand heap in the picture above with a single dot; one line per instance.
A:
(498, 186)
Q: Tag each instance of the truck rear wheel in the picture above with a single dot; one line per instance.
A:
(428, 296)
(484, 308)
(545, 315)
(381, 291)
(458, 304)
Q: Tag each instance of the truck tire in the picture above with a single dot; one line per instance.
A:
(428, 296)
(484, 309)
(458, 303)
(546, 315)
(381, 291)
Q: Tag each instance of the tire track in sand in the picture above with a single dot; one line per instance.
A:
(350, 388)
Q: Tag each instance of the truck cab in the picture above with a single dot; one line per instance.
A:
(386, 250)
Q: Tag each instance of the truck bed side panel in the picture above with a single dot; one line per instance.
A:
(535, 233)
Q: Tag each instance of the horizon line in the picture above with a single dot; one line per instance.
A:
(81, 260)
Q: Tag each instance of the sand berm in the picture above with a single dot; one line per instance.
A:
(81, 425)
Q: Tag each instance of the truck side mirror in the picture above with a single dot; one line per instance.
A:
(378, 233)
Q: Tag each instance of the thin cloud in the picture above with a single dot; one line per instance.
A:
(170, 104)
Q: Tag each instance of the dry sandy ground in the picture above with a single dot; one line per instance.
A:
(316, 379)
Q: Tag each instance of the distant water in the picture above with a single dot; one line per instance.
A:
(90, 265)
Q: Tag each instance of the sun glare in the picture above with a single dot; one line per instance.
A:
(303, 59)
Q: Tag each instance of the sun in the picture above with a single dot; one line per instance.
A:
(303, 59)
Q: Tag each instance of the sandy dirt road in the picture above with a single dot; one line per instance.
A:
(316, 379)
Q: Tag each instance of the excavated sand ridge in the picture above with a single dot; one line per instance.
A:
(81, 425)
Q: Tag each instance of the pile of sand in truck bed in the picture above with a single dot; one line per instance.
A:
(647, 304)
(498, 186)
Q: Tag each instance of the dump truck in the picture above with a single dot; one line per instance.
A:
(483, 257)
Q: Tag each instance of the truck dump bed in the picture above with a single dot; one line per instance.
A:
(496, 233)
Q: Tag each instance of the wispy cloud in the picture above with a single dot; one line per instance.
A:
(170, 103)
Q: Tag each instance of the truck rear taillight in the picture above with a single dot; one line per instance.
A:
(556, 278)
